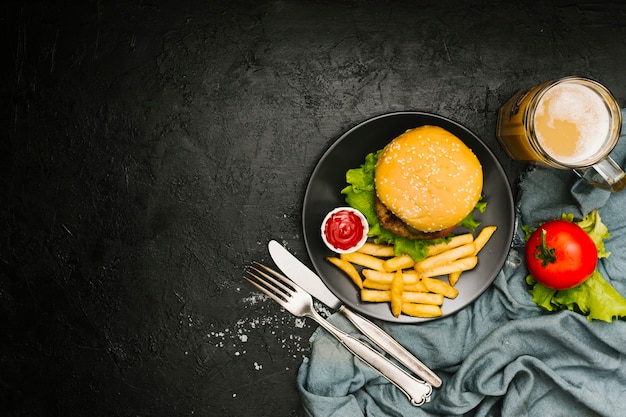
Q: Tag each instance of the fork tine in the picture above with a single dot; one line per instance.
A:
(281, 281)
(268, 285)
(263, 289)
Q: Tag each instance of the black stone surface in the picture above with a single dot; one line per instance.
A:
(150, 149)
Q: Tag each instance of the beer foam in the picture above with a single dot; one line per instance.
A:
(570, 110)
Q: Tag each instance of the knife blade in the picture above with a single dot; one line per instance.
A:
(313, 284)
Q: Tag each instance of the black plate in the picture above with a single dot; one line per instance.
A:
(349, 151)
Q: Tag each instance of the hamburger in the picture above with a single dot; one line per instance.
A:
(418, 188)
(427, 181)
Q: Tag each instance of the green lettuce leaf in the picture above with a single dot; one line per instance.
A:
(469, 222)
(595, 298)
(592, 224)
(360, 193)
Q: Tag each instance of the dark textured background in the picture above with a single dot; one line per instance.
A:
(150, 149)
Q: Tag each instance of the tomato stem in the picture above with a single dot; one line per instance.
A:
(545, 253)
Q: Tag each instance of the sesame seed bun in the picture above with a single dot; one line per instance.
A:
(428, 178)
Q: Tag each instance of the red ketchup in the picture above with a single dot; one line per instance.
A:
(344, 230)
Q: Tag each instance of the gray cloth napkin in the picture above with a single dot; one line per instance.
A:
(502, 355)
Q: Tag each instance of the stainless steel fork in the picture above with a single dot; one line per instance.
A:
(299, 303)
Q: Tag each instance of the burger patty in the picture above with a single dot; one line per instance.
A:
(391, 222)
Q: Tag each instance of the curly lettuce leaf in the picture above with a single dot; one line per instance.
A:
(595, 298)
(360, 193)
(592, 224)
(469, 222)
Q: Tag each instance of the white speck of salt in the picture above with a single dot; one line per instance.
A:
(257, 366)
(275, 324)
(256, 298)
(322, 309)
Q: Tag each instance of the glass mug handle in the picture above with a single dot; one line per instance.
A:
(605, 174)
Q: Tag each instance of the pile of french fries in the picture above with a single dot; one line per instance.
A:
(413, 288)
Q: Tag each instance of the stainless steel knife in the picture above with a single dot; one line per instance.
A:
(307, 279)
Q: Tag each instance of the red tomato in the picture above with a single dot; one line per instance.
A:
(560, 255)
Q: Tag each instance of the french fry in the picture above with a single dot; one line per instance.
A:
(377, 249)
(421, 310)
(480, 242)
(363, 259)
(483, 237)
(348, 268)
(462, 264)
(410, 287)
(375, 296)
(443, 258)
(455, 241)
(398, 262)
(418, 286)
(409, 277)
(439, 287)
(376, 285)
(381, 286)
(382, 296)
(453, 277)
(397, 284)
(422, 298)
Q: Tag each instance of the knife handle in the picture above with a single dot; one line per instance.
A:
(391, 346)
(417, 391)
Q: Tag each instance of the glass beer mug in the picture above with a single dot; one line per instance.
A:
(569, 123)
